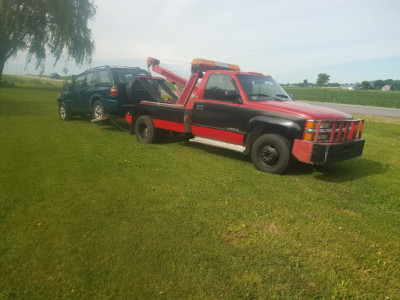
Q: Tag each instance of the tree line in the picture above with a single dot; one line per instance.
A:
(323, 81)
(379, 84)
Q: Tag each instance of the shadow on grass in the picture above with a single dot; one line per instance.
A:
(351, 170)
(232, 154)
(340, 172)
(119, 124)
(80, 118)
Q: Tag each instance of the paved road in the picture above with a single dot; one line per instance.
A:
(362, 109)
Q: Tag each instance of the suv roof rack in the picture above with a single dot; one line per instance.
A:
(113, 66)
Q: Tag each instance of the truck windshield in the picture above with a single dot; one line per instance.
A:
(262, 88)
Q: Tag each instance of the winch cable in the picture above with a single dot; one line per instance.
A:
(116, 124)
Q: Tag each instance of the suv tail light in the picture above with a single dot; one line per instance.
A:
(114, 91)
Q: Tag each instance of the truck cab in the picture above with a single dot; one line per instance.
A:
(252, 110)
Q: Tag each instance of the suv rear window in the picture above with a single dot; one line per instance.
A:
(104, 77)
(127, 75)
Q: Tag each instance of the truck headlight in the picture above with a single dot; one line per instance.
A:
(324, 131)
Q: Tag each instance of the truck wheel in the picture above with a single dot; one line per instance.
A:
(145, 130)
(270, 153)
(63, 112)
(98, 110)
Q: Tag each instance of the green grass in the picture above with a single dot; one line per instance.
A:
(88, 212)
(389, 99)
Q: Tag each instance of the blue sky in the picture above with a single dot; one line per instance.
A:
(290, 40)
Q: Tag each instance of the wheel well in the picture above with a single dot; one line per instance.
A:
(141, 112)
(94, 99)
(66, 105)
(286, 132)
(289, 133)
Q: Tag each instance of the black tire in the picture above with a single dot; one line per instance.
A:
(271, 153)
(145, 130)
(63, 112)
(98, 110)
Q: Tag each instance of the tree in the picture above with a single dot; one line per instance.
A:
(378, 84)
(58, 26)
(395, 85)
(365, 85)
(388, 81)
(65, 71)
(323, 79)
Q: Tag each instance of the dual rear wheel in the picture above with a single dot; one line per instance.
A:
(145, 130)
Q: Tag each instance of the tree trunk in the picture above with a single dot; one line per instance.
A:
(2, 63)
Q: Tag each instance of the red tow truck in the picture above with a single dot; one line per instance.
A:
(247, 109)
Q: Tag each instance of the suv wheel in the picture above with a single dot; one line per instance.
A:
(98, 110)
(270, 153)
(63, 112)
(145, 130)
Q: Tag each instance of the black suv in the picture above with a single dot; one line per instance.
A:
(100, 91)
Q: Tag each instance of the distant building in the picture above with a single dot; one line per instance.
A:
(386, 88)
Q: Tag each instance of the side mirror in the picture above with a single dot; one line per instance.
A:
(232, 96)
(66, 87)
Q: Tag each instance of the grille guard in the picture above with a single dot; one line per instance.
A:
(340, 131)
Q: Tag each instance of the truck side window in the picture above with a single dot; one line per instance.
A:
(220, 87)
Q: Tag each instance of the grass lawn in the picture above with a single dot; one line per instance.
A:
(88, 212)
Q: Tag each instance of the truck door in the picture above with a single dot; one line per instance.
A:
(219, 113)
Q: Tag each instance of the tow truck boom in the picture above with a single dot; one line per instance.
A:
(169, 75)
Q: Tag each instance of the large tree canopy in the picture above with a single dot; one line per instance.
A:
(39, 26)
(323, 79)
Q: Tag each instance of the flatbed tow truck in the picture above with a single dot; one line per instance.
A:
(247, 109)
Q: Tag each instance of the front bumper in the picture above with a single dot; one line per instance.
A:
(327, 153)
